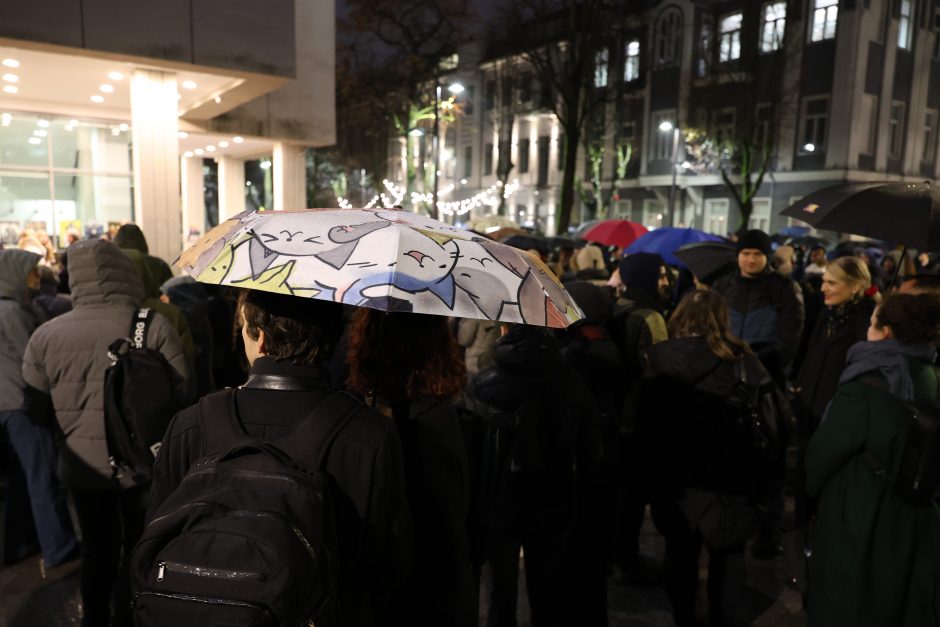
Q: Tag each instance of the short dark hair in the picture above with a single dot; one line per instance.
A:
(300, 330)
(929, 283)
(913, 318)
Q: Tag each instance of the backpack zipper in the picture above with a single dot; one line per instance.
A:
(245, 512)
(201, 571)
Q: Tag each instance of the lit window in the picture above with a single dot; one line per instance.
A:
(601, 61)
(930, 137)
(661, 141)
(668, 35)
(815, 121)
(705, 46)
(905, 29)
(730, 43)
(896, 136)
(825, 17)
(775, 22)
(631, 66)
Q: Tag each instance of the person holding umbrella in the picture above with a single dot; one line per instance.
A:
(287, 342)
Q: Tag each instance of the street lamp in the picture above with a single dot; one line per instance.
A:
(454, 88)
(665, 126)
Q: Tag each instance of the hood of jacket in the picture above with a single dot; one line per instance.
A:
(527, 351)
(101, 273)
(689, 359)
(15, 266)
(151, 289)
(187, 294)
(130, 236)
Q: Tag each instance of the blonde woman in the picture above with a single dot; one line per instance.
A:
(844, 321)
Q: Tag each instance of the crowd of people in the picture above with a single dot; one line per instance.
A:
(477, 441)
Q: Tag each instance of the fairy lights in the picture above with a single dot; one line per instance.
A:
(396, 194)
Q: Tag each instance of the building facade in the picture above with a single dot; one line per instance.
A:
(826, 91)
(111, 112)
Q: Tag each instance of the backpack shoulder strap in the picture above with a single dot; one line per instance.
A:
(320, 428)
(140, 325)
(218, 418)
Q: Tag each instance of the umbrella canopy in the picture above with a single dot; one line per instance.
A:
(614, 232)
(793, 231)
(807, 240)
(374, 258)
(583, 228)
(527, 242)
(706, 259)
(667, 240)
(902, 213)
(487, 223)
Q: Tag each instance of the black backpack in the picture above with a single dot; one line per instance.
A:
(248, 537)
(918, 478)
(139, 403)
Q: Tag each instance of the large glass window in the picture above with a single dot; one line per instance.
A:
(825, 19)
(729, 47)
(896, 126)
(58, 174)
(775, 23)
(815, 120)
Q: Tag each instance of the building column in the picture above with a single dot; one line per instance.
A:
(194, 197)
(155, 156)
(231, 187)
(290, 176)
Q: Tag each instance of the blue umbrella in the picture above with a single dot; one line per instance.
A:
(794, 231)
(667, 240)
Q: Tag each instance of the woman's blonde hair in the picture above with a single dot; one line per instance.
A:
(703, 313)
(852, 271)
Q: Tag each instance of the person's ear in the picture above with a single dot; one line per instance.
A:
(888, 332)
(262, 343)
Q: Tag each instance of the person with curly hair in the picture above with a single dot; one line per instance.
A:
(410, 367)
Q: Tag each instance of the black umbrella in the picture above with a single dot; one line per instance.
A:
(526, 242)
(807, 240)
(706, 259)
(903, 213)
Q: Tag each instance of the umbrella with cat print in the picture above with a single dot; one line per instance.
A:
(383, 259)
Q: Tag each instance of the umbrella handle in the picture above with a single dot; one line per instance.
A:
(897, 269)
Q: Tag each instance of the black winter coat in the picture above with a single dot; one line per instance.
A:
(372, 518)
(836, 330)
(689, 437)
(548, 429)
(440, 589)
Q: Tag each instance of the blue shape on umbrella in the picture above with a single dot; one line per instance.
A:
(794, 231)
(667, 240)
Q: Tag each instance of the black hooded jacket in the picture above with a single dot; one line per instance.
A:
(548, 426)
(690, 436)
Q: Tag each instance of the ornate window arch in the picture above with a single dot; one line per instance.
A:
(667, 37)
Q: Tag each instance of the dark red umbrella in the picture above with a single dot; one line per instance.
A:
(615, 232)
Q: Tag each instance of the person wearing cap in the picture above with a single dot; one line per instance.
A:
(636, 325)
(766, 312)
(766, 308)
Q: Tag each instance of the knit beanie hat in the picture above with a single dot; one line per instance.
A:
(755, 239)
(641, 271)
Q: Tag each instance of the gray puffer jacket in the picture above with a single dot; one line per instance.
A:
(17, 322)
(67, 357)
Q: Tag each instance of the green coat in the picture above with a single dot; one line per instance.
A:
(876, 559)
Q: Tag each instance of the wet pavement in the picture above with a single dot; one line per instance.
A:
(31, 598)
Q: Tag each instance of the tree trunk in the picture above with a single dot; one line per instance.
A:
(567, 183)
(746, 207)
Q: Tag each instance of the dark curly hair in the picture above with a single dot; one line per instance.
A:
(302, 331)
(410, 356)
(913, 318)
